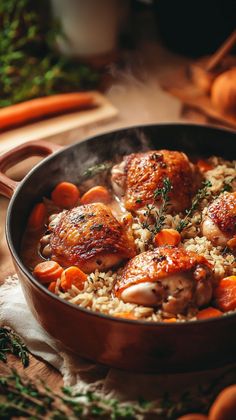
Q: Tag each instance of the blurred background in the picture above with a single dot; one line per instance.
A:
(140, 55)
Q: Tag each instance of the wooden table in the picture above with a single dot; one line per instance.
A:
(138, 101)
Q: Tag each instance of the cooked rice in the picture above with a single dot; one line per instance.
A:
(97, 292)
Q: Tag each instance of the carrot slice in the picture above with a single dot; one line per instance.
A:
(170, 320)
(52, 286)
(232, 243)
(65, 195)
(37, 216)
(96, 194)
(204, 165)
(225, 294)
(127, 315)
(167, 237)
(73, 275)
(208, 313)
(47, 271)
(40, 107)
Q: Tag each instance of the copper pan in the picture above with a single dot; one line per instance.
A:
(126, 344)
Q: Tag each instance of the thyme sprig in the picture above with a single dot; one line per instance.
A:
(97, 169)
(227, 185)
(162, 193)
(202, 193)
(11, 343)
(22, 397)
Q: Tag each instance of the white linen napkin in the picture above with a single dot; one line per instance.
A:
(83, 375)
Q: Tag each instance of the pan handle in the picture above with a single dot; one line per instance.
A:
(18, 154)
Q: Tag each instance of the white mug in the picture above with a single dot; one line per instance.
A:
(90, 27)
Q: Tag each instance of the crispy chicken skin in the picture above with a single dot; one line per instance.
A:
(140, 174)
(90, 237)
(169, 278)
(219, 224)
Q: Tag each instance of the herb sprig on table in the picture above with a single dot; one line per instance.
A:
(22, 397)
(30, 65)
(11, 343)
(26, 398)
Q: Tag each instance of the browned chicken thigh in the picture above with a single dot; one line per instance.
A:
(139, 175)
(219, 224)
(169, 278)
(89, 237)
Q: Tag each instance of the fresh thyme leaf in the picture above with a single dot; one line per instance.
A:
(202, 193)
(97, 169)
(164, 191)
(11, 343)
(158, 214)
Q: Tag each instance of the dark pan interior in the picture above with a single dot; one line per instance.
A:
(70, 163)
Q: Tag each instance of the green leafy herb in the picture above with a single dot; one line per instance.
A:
(202, 193)
(22, 397)
(11, 343)
(30, 65)
(227, 186)
(97, 169)
(159, 214)
(164, 194)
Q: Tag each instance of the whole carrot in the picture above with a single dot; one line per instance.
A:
(41, 107)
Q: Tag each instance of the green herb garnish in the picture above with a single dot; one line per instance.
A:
(97, 169)
(202, 193)
(227, 186)
(11, 343)
(159, 214)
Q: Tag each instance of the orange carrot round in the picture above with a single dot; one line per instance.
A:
(167, 237)
(36, 108)
(127, 315)
(37, 217)
(170, 320)
(73, 275)
(225, 294)
(52, 286)
(232, 243)
(47, 271)
(208, 313)
(65, 195)
(96, 194)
